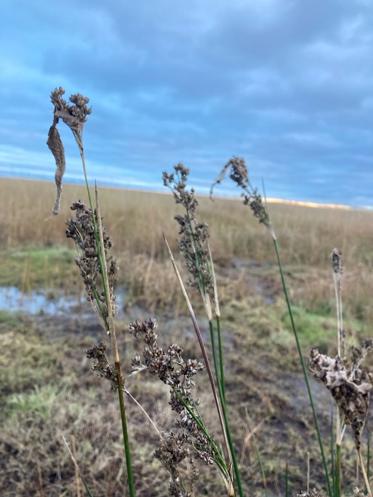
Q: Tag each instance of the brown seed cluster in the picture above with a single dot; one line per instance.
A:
(349, 383)
(193, 243)
(74, 115)
(187, 441)
(82, 229)
(238, 173)
(100, 364)
(336, 260)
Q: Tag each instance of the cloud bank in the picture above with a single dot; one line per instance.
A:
(287, 84)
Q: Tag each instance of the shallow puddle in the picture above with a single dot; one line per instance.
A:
(12, 299)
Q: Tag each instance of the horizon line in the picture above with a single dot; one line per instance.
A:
(228, 196)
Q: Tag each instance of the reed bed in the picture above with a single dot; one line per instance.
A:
(305, 232)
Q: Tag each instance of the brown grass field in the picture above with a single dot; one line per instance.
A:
(47, 389)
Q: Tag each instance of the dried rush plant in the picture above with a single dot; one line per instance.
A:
(189, 439)
(194, 246)
(97, 267)
(348, 381)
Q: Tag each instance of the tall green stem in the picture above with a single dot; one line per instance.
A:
(126, 443)
(301, 360)
(109, 322)
(115, 350)
(236, 469)
(337, 477)
(214, 354)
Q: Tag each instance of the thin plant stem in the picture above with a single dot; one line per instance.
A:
(341, 353)
(197, 419)
(223, 417)
(201, 343)
(115, 351)
(217, 320)
(338, 463)
(332, 448)
(145, 413)
(76, 466)
(364, 473)
(257, 454)
(301, 360)
(368, 456)
(221, 357)
(214, 353)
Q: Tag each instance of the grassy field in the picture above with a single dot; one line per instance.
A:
(46, 386)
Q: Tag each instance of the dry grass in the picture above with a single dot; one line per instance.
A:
(138, 219)
(263, 374)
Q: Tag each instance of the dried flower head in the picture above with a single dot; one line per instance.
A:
(82, 230)
(336, 261)
(255, 202)
(194, 235)
(349, 383)
(238, 173)
(74, 115)
(100, 364)
(187, 440)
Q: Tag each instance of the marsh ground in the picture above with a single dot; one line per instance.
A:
(47, 388)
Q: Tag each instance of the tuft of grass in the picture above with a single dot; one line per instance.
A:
(33, 267)
(39, 401)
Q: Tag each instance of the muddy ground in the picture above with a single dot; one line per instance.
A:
(48, 391)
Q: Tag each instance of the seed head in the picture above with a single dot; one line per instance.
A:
(237, 172)
(186, 440)
(336, 261)
(239, 175)
(82, 230)
(74, 116)
(349, 384)
(194, 235)
(100, 364)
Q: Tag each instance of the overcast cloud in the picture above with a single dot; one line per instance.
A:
(286, 84)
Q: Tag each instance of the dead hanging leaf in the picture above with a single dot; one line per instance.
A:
(55, 145)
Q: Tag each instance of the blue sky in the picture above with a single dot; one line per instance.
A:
(287, 84)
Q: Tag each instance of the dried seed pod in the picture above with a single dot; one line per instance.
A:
(187, 440)
(194, 235)
(100, 364)
(349, 384)
(74, 116)
(336, 260)
(238, 173)
(82, 230)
